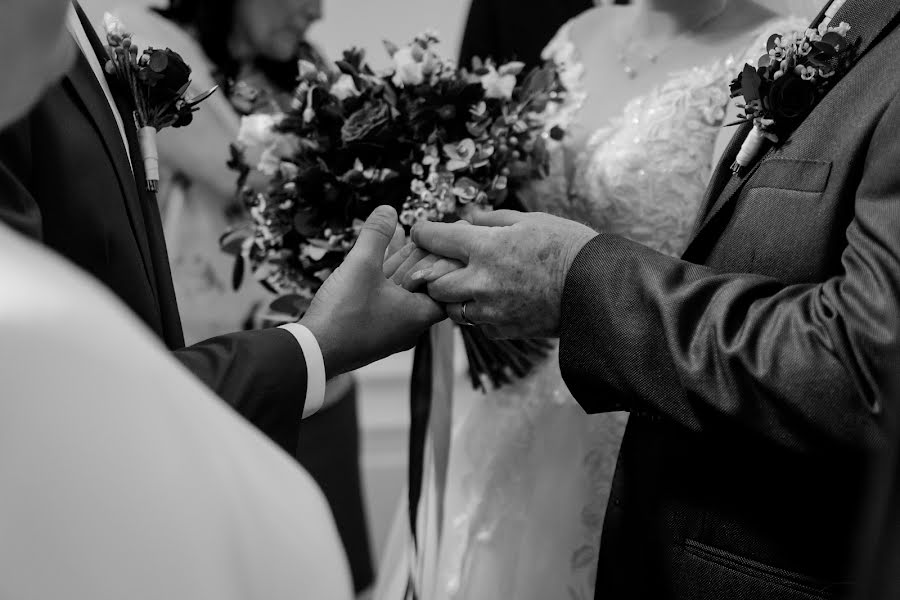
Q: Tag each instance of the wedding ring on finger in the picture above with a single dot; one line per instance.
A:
(457, 313)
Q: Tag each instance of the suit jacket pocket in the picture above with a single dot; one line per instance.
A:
(710, 572)
(798, 175)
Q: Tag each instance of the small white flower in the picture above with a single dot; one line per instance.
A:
(407, 69)
(344, 88)
(460, 155)
(115, 30)
(497, 85)
(307, 70)
(513, 68)
(841, 29)
(257, 130)
(315, 253)
(264, 148)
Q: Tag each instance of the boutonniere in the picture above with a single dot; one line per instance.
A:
(788, 81)
(157, 81)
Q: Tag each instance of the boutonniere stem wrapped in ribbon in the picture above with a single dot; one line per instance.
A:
(788, 81)
(157, 81)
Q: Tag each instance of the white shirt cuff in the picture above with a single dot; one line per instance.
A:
(315, 367)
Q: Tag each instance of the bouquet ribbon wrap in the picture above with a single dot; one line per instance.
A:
(750, 149)
(431, 423)
(150, 154)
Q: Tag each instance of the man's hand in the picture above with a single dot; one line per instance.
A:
(515, 270)
(359, 316)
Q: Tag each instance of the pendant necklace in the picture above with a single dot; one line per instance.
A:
(652, 57)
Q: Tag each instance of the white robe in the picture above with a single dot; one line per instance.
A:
(122, 476)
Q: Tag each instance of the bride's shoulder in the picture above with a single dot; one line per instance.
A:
(585, 30)
(778, 24)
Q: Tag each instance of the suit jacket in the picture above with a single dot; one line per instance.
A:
(754, 367)
(879, 548)
(515, 29)
(65, 179)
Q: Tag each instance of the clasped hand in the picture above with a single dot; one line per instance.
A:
(504, 273)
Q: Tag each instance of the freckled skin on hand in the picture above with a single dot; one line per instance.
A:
(516, 273)
(529, 276)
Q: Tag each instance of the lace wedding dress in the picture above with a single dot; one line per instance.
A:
(530, 472)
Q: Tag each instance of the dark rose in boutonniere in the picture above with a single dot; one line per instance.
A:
(791, 97)
(789, 80)
(165, 71)
(157, 81)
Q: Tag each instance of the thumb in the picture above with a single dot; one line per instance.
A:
(497, 218)
(375, 236)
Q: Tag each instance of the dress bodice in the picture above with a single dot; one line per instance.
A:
(643, 174)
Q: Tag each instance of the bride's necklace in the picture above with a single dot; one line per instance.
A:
(651, 57)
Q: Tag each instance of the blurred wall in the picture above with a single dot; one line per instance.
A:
(363, 23)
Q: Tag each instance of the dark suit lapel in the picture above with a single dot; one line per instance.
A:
(869, 19)
(168, 305)
(141, 203)
(85, 89)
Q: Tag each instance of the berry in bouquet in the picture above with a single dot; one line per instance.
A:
(433, 140)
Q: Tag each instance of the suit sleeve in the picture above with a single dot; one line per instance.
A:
(261, 374)
(805, 366)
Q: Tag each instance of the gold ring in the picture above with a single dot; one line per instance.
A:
(462, 314)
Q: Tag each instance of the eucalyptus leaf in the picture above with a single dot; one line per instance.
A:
(237, 275)
(824, 48)
(347, 68)
(292, 305)
(836, 40)
(232, 241)
(750, 84)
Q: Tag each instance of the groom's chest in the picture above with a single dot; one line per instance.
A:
(789, 219)
(77, 182)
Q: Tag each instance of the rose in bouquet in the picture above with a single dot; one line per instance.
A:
(434, 140)
(157, 81)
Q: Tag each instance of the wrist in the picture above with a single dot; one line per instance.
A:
(579, 240)
(328, 345)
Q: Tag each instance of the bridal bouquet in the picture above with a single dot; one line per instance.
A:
(433, 140)
(157, 81)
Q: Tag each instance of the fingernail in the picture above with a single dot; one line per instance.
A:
(420, 275)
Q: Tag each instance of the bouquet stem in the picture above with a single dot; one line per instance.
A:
(495, 363)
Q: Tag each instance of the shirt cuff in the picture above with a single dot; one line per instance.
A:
(315, 367)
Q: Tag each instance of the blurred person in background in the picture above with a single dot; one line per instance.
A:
(508, 30)
(247, 47)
